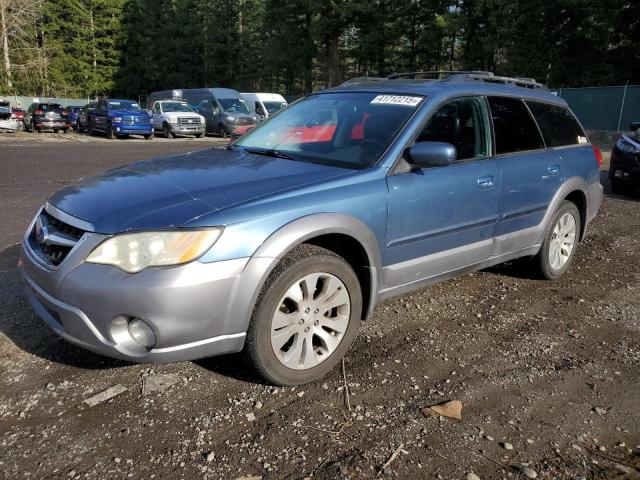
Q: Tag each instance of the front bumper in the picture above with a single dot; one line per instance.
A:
(193, 129)
(122, 129)
(189, 307)
(624, 167)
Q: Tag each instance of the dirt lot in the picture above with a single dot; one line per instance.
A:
(549, 369)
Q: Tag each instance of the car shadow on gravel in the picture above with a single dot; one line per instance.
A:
(233, 366)
(23, 328)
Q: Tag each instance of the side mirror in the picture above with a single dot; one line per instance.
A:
(431, 154)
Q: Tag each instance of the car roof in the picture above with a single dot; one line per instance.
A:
(448, 87)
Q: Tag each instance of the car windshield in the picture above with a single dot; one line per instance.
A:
(233, 105)
(123, 105)
(273, 107)
(175, 107)
(349, 130)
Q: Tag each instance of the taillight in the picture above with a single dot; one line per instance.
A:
(39, 112)
(598, 154)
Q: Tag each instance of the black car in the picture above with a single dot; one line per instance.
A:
(83, 116)
(624, 170)
(46, 116)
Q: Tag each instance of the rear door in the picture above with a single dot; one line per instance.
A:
(442, 219)
(531, 172)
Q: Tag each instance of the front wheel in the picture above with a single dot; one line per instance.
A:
(166, 131)
(560, 242)
(149, 136)
(109, 133)
(307, 314)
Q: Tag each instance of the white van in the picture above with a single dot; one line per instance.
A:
(264, 104)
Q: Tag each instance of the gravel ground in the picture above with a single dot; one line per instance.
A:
(548, 373)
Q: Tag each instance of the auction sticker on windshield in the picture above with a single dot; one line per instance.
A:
(397, 100)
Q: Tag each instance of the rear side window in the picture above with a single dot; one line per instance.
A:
(514, 128)
(558, 125)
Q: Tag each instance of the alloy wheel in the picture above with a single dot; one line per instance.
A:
(311, 321)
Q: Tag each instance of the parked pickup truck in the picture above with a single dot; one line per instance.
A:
(117, 118)
(174, 117)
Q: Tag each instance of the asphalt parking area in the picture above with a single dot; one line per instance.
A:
(550, 369)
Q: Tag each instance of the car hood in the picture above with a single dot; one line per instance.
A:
(169, 191)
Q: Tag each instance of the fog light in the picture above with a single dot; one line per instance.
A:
(142, 333)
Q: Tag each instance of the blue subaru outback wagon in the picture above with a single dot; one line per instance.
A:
(281, 244)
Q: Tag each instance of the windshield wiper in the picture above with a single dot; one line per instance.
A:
(268, 152)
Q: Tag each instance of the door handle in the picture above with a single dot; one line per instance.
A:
(553, 169)
(486, 182)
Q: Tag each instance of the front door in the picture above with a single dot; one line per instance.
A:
(442, 219)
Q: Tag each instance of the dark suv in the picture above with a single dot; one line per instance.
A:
(46, 116)
(624, 169)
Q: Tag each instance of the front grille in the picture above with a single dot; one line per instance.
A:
(134, 121)
(188, 120)
(52, 239)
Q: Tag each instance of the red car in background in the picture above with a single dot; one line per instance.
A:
(18, 113)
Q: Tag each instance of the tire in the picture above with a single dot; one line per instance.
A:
(302, 266)
(109, 131)
(556, 256)
(222, 133)
(148, 136)
(90, 129)
(199, 135)
(166, 132)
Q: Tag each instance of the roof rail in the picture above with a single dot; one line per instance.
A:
(473, 75)
(437, 74)
(356, 80)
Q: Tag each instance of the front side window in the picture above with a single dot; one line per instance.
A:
(233, 105)
(273, 107)
(460, 122)
(514, 128)
(349, 130)
(558, 125)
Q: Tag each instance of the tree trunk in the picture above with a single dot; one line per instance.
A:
(5, 45)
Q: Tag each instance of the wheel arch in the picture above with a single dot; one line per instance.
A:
(344, 235)
(579, 199)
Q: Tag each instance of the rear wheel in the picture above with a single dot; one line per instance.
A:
(148, 136)
(306, 317)
(199, 135)
(560, 242)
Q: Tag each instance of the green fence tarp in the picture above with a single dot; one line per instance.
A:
(604, 108)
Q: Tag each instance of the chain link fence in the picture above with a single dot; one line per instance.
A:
(604, 108)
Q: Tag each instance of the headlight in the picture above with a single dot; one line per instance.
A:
(116, 119)
(231, 118)
(133, 252)
(173, 120)
(625, 146)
